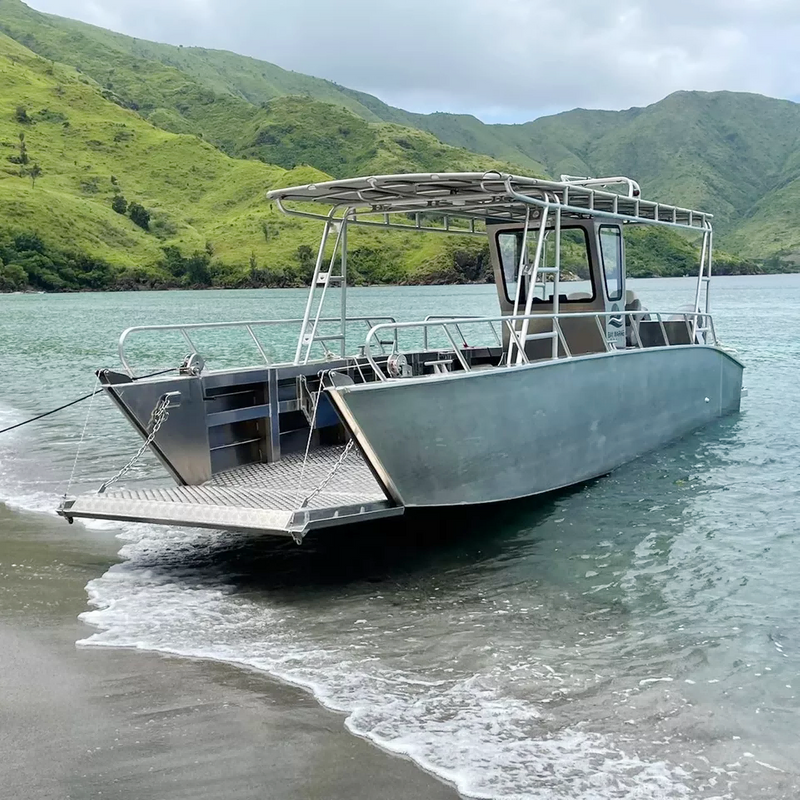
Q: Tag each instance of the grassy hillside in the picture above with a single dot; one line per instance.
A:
(66, 153)
(244, 113)
(195, 137)
(221, 72)
(728, 153)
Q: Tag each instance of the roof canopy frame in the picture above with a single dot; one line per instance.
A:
(486, 198)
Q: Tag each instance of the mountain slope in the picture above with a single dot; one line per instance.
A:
(727, 153)
(148, 78)
(90, 149)
(209, 222)
(218, 71)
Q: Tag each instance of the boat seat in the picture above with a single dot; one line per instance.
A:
(633, 303)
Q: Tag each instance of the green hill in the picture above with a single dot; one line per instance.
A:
(196, 136)
(182, 91)
(729, 153)
(202, 203)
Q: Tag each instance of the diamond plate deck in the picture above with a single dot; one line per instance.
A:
(267, 497)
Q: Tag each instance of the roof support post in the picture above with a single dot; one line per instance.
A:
(343, 286)
(523, 263)
(556, 279)
(701, 298)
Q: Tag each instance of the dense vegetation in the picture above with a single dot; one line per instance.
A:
(126, 164)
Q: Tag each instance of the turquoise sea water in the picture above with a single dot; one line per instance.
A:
(634, 637)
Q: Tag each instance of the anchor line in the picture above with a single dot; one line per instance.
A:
(78, 400)
(80, 442)
(310, 435)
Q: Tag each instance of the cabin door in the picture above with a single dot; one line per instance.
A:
(612, 264)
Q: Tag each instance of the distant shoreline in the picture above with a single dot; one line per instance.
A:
(167, 288)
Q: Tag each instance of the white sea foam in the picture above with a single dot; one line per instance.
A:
(28, 481)
(16, 492)
(469, 730)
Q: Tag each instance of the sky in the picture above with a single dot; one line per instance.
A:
(501, 60)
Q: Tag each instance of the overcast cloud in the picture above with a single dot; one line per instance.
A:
(502, 60)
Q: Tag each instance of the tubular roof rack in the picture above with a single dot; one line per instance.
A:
(452, 202)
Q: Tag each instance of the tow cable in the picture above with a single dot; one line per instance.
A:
(78, 400)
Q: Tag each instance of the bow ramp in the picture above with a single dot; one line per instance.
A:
(293, 496)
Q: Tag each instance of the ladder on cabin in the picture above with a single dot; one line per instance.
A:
(701, 323)
(327, 273)
(533, 274)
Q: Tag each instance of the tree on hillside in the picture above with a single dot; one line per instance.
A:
(305, 257)
(139, 215)
(22, 158)
(28, 243)
(12, 277)
(21, 115)
(119, 204)
(34, 172)
(197, 271)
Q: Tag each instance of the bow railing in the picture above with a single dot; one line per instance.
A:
(249, 327)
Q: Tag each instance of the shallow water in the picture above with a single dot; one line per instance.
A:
(635, 637)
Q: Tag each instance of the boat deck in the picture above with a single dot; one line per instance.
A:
(259, 497)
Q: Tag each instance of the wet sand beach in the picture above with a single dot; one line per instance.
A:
(92, 722)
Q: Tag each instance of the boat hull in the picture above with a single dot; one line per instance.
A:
(483, 437)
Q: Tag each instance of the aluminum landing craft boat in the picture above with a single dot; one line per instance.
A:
(565, 383)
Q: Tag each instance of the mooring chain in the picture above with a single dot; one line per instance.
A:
(158, 417)
(329, 476)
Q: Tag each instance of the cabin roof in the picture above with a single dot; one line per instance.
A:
(477, 197)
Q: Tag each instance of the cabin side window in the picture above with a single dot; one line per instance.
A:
(508, 245)
(611, 254)
(575, 281)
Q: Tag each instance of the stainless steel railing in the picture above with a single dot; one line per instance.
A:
(442, 317)
(248, 326)
(699, 329)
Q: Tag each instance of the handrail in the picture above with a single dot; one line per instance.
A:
(248, 325)
(637, 317)
(441, 317)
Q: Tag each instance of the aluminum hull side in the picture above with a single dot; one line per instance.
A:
(483, 437)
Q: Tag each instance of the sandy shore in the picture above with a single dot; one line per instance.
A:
(81, 723)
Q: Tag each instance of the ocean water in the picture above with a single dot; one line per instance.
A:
(634, 637)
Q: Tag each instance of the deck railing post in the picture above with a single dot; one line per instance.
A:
(562, 338)
(635, 325)
(602, 332)
(257, 343)
(556, 281)
(663, 330)
(456, 349)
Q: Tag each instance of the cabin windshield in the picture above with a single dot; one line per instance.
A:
(575, 269)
